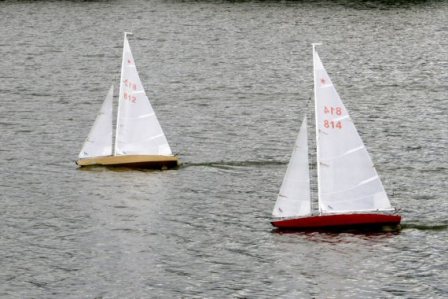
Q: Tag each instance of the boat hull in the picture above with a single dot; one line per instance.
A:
(135, 161)
(339, 221)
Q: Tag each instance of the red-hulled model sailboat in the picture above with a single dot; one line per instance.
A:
(350, 192)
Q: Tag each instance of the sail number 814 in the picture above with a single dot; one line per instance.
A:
(332, 110)
(331, 124)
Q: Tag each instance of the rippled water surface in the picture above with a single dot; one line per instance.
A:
(230, 82)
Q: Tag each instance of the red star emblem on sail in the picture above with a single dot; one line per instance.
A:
(322, 81)
(129, 61)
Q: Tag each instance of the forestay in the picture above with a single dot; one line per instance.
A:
(138, 130)
(294, 197)
(347, 179)
(99, 140)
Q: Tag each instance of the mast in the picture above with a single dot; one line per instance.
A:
(317, 127)
(120, 93)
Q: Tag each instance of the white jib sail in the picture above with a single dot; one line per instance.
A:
(347, 178)
(99, 141)
(294, 197)
(138, 130)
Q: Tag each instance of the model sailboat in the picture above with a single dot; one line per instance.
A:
(139, 139)
(350, 192)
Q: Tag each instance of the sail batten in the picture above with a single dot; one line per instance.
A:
(369, 180)
(139, 117)
(351, 151)
(330, 212)
(353, 187)
(341, 118)
(156, 136)
(146, 115)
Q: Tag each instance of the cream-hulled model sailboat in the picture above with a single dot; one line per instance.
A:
(139, 139)
(350, 192)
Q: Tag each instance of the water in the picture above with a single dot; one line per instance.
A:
(230, 82)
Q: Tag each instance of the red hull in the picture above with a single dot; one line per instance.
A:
(338, 221)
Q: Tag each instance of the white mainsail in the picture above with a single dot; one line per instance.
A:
(138, 130)
(347, 179)
(294, 197)
(99, 141)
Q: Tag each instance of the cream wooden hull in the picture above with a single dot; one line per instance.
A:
(138, 161)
